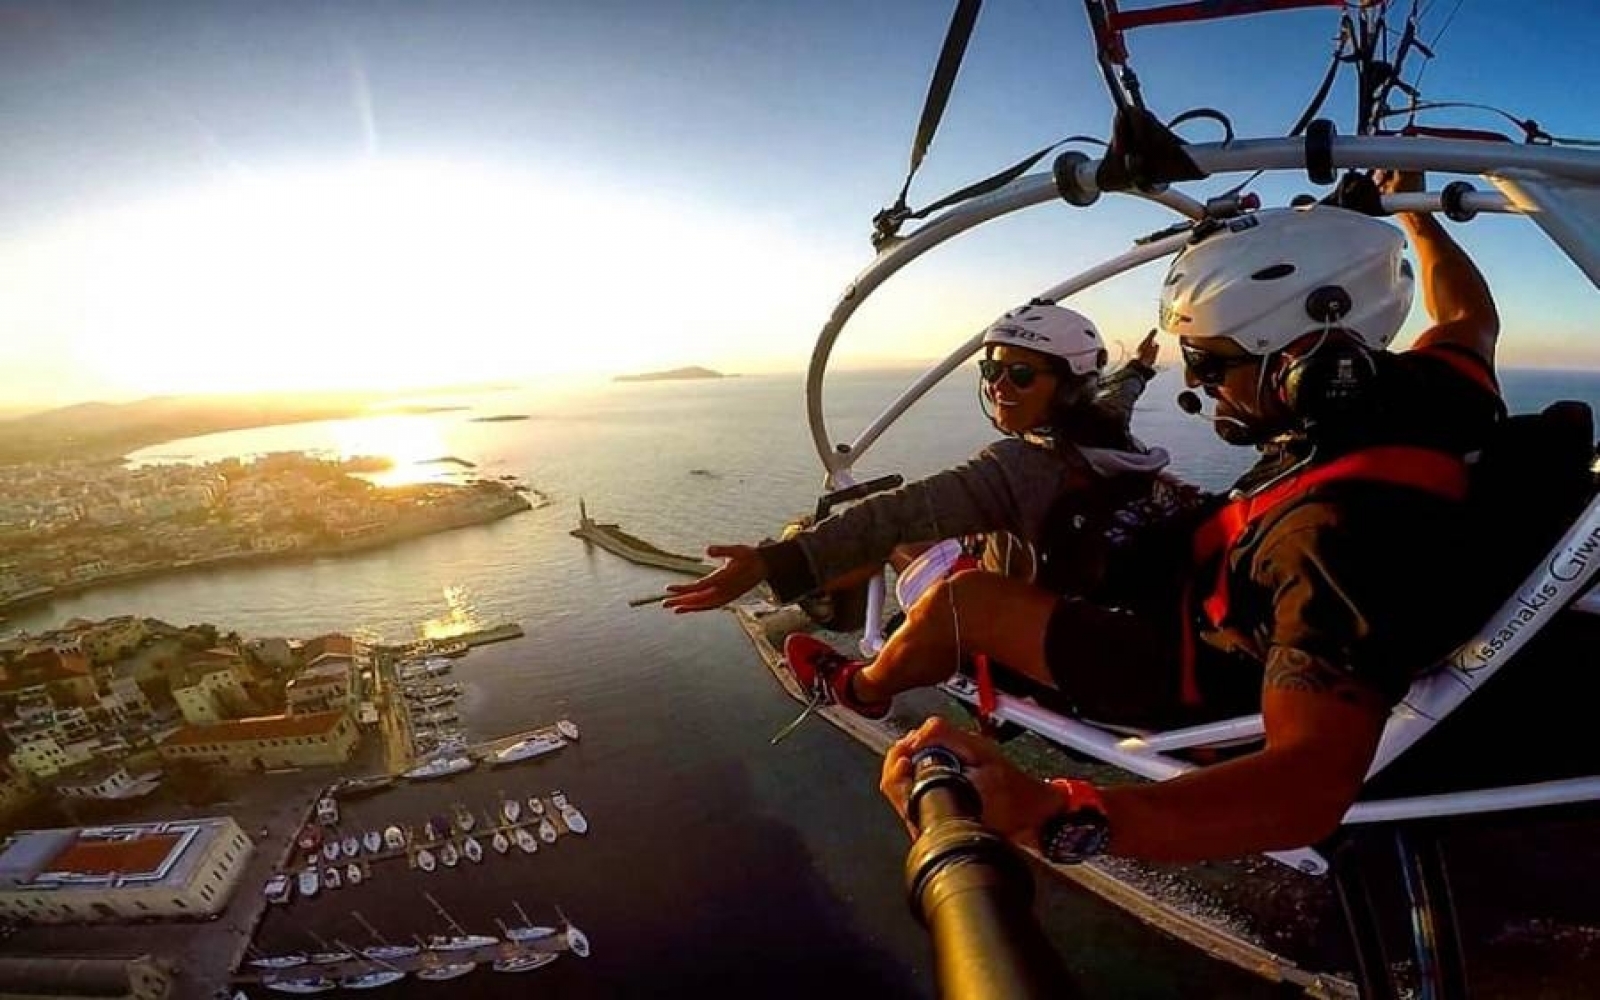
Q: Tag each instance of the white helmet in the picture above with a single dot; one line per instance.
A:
(1054, 330)
(1269, 278)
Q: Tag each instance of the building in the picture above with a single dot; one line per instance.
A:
(43, 752)
(210, 691)
(61, 672)
(106, 874)
(273, 653)
(104, 780)
(325, 687)
(140, 977)
(110, 640)
(266, 742)
(16, 791)
(334, 644)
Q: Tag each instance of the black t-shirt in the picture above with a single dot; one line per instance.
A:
(1364, 575)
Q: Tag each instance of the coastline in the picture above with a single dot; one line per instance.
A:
(516, 504)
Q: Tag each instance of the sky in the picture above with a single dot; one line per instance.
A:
(217, 197)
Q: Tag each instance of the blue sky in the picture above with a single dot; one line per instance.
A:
(228, 195)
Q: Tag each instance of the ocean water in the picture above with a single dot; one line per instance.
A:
(717, 864)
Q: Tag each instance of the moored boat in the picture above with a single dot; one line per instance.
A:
(354, 874)
(500, 842)
(472, 849)
(444, 971)
(372, 980)
(520, 960)
(394, 838)
(511, 809)
(536, 805)
(460, 942)
(568, 729)
(547, 830)
(575, 820)
(372, 840)
(426, 861)
(331, 879)
(308, 883)
(330, 850)
(327, 810)
(440, 767)
(527, 749)
(278, 961)
(310, 838)
(465, 821)
(448, 855)
(279, 888)
(350, 845)
(527, 841)
(315, 985)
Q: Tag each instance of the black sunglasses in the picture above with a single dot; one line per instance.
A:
(1020, 373)
(1209, 368)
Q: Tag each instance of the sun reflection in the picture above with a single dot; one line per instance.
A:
(412, 443)
(460, 616)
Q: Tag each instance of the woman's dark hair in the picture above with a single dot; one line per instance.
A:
(1081, 417)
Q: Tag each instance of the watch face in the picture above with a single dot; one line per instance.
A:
(1072, 837)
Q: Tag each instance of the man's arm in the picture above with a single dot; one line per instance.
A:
(1322, 729)
(1453, 290)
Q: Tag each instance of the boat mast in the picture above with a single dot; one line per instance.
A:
(447, 917)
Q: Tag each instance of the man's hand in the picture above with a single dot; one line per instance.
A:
(1015, 804)
(743, 569)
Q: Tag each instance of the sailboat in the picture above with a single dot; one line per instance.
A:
(394, 838)
(576, 939)
(514, 959)
(547, 830)
(526, 840)
(354, 874)
(527, 930)
(381, 974)
(568, 729)
(330, 954)
(460, 940)
(372, 840)
(351, 845)
(425, 859)
(510, 808)
(465, 821)
(318, 984)
(285, 961)
(331, 878)
(437, 969)
(500, 842)
(448, 855)
(472, 849)
(383, 949)
(536, 805)
(308, 882)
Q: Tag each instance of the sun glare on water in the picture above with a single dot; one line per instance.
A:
(414, 446)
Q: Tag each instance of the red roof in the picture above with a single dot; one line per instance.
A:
(317, 680)
(268, 727)
(334, 643)
(108, 857)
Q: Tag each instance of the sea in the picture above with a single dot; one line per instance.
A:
(717, 864)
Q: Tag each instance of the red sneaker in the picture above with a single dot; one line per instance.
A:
(824, 673)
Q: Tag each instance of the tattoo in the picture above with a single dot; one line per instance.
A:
(1290, 669)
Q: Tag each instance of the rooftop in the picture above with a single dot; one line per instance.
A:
(267, 727)
(104, 858)
(121, 857)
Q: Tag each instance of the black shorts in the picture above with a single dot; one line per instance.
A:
(1123, 669)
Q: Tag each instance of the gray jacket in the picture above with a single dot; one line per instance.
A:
(1007, 489)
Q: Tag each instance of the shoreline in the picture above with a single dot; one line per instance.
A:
(333, 551)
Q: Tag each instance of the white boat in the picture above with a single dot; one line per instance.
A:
(568, 729)
(511, 809)
(278, 961)
(500, 842)
(440, 767)
(528, 931)
(449, 970)
(331, 879)
(353, 874)
(527, 841)
(351, 845)
(308, 883)
(460, 942)
(318, 985)
(547, 830)
(448, 855)
(390, 952)
(465, 821)
(536, 805)
(533, 746)
(279, 888)
(558, 798)
(426, 861)
(328, 810)
(372, 840)
(524, 961)
(578, 941)
(575, 820)
(330, 957)
(472, 849)
(372, 980)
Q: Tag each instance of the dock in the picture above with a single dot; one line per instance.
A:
(556, 943)
(636, 550)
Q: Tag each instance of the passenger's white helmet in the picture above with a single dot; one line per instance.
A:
(1054, 330)
(1269, 278)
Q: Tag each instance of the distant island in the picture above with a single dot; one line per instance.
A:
(672, 375)
(497, 418)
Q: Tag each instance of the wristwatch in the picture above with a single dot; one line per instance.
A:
(1080, 830)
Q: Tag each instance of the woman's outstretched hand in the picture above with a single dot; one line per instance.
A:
(1015, 803)
(742, 569)
(1148, 349)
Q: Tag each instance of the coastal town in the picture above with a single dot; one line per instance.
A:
(69, 525)
(157, 775)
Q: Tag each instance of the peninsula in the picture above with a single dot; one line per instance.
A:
(671, 375)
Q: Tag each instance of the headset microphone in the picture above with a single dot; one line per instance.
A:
(1230, 429)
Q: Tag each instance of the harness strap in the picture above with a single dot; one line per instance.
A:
(1414, 467)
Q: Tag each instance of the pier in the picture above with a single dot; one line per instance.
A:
(636, 550)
